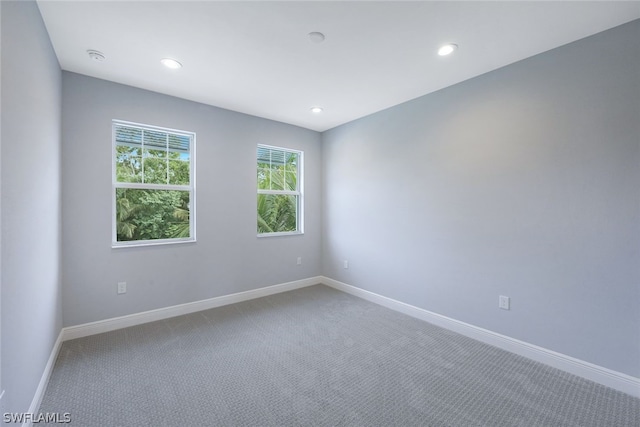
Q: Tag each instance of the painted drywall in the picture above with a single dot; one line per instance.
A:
(1, 388)
(227, 258)
(521, 182)
(31, 109)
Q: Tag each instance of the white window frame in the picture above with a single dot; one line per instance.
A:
(191, 187)
(299, 193)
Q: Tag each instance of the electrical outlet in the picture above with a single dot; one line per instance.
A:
(299, 262)
(346, 264)
(122, 287)
(504, 302)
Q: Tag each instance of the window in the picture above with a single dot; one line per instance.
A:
(279, 191)
(153, 185)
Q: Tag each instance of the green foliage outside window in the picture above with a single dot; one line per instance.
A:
(151, 214)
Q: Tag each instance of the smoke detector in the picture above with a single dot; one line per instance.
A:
(96, 56)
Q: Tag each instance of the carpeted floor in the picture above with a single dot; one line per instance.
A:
(315, 357)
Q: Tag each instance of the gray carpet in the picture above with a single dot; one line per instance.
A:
(315, 357)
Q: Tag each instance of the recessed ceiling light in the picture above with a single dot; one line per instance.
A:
(95, 55)
(316, 110)
(316, 37)
(171, 63)
(447, 49)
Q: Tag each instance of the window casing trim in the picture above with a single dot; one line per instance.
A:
(191, 187)
(299, 193)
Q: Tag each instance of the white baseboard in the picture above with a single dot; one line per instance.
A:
(616, 380)
(604, 376)
(112, 324)
(44, 380)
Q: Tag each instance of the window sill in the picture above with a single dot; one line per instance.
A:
(150, 243)
(291, 233)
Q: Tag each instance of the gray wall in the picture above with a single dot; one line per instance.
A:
(227, 258)
(521, 182)
(31, 308)
(1, 387)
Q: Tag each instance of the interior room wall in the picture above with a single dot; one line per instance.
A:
(227, 258)
(521, 182)
(31, 306)
(1, 388)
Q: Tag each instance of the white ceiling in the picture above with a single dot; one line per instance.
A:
(256, 57)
